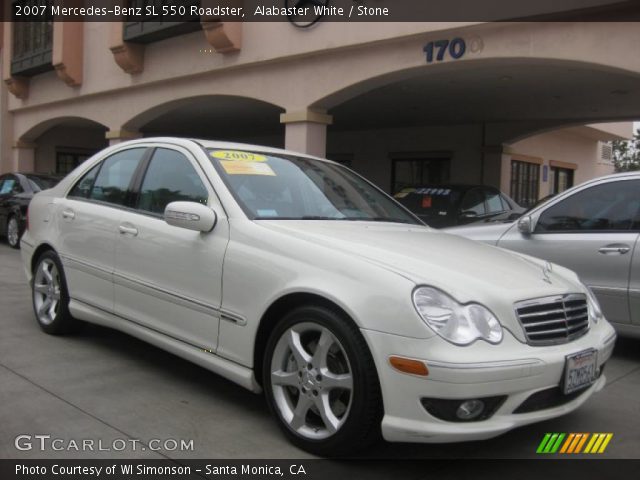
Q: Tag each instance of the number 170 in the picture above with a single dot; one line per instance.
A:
(455, 48)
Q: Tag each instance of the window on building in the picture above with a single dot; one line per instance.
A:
(32, 41)
(560, 179)
(68, 160)
(419, 172)
(525, 181)
(154, 27)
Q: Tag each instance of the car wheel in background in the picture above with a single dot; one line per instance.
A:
(51, 297)
(13, 232)
(321, 382)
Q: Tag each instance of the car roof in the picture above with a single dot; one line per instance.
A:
(217, 144)
(46, 176)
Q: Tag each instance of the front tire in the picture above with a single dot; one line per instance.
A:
(14, 232)
(321, 383)
(51, 297)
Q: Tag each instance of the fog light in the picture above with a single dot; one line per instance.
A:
(459, 410)
(470, 409)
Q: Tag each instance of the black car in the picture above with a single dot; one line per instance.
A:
(16, 191)
(441, 206)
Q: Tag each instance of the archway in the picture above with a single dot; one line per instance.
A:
(58, 145)
(217, 117)
(464, 114)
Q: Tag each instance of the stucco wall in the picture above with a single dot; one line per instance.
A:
(373, 150)
(563, 146)
(58, 138)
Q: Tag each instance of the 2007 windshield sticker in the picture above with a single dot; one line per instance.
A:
(238, 156)
(235, 167)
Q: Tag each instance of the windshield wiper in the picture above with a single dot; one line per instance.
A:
(305, 217)
(377, 219)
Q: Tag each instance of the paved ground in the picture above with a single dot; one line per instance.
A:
(101, 384)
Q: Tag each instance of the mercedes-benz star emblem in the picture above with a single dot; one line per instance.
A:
(546, 270)
(305, 21)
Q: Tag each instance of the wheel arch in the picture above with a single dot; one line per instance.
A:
(43, 247)
(277, 310)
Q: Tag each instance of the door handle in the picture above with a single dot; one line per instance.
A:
(69, 214)
(128, 230)
(616, 248)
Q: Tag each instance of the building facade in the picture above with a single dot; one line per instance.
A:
(521, 106)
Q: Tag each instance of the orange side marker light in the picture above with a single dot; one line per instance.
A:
(408, 365)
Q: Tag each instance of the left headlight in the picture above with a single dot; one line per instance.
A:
(595, 311)
(459, 324)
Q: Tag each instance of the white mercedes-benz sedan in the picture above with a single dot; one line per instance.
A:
(293, 275)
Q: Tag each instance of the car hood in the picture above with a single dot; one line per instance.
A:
(490, 232)
(467, 270)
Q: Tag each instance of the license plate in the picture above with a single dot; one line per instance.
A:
(580, 370)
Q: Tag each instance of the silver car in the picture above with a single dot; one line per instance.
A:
(593, 229)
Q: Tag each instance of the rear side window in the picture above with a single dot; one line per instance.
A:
(109, 181)
(473, 202)
(170, 177)
(609, 206)
(494, 202)
(83, 187)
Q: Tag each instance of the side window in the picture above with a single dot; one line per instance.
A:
(505, 202)
(494, 202)
(83, 187)
(473, 201)
(113, 179)
(170, 177)
(607, 207)
(10, 186)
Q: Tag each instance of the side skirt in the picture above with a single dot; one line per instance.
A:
(239, 374)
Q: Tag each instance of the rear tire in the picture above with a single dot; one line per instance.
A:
(321, 383)
(50, 296)
(14, 232)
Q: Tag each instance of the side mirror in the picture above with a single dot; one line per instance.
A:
(525, 225)
(190, 215)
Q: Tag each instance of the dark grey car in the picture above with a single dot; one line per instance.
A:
(593, 229)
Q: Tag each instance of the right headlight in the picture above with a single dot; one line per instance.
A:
(457, 323)
(595, 311)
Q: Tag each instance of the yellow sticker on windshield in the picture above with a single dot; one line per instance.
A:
(247, 168)
(238, 156)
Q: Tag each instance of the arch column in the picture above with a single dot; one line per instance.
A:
(118, 136)
(23, 157)
(306, 131)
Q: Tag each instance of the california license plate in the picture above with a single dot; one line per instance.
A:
(580, 370)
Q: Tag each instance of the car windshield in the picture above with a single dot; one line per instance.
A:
(286, 187)
(41, 183)
(430, 201)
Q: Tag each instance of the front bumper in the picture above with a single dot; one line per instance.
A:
(511, 368)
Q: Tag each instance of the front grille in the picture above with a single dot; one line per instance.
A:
(553, 320)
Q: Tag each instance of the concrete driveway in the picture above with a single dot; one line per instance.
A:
(103, 386)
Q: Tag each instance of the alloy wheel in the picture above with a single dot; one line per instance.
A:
(46, 291)
(13, 232)
(312, 381)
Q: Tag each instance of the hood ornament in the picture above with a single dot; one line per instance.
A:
(546, 270)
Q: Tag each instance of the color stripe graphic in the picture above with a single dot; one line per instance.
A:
(574, 443)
